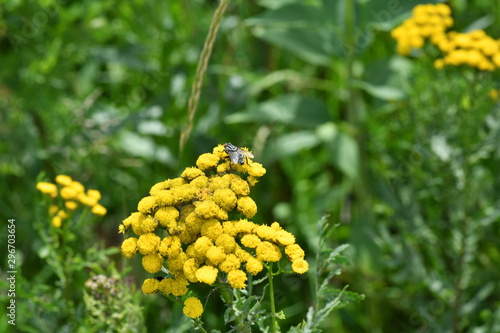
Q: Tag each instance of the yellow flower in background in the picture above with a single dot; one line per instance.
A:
(62, 214)
(184, 228)
(94, 194)
(71, 205)
(429, 22)
(53, 209)
(56, 221)
(98, 209)
(192, 307)
(494, 94)
(63, 180)
(47, 188)
(71, 192)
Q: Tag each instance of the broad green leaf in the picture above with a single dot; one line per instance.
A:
(306, 31)
(286, 109)
(387, 93)
(290, 144)
(145, 147)
(295, 13)
(308, 45)
(345, 154)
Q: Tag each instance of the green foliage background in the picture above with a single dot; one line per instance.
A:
(403, 157)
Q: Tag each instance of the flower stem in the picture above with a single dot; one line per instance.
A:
(200, 71)
(226, 297)
(274, 323)
(199, 325)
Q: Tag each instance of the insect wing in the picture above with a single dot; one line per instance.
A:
(237, 155)
(245, 153)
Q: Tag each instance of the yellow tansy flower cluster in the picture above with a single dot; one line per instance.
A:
(72, 194)
(427, 21)
(475, 48)
(196, 227)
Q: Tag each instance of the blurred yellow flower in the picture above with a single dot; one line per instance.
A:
(53, 209)
(71, 205)
(64, 180)
(430, 22)
(77, 186)
(94, 194)
(494, 94)
(56, 221)
(47, 188)
(69, 193)
(98, 209)
(62, 214)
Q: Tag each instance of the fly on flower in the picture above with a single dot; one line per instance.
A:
(236, 154)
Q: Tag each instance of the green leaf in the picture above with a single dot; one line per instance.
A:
(286, 109)
(304, 30)
(290, 144)
(344, 154)
(387, 93)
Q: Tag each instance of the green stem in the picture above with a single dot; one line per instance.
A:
(200, 71)
(199, 325)
(274, 323)
(82, 218)
(226, 297)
